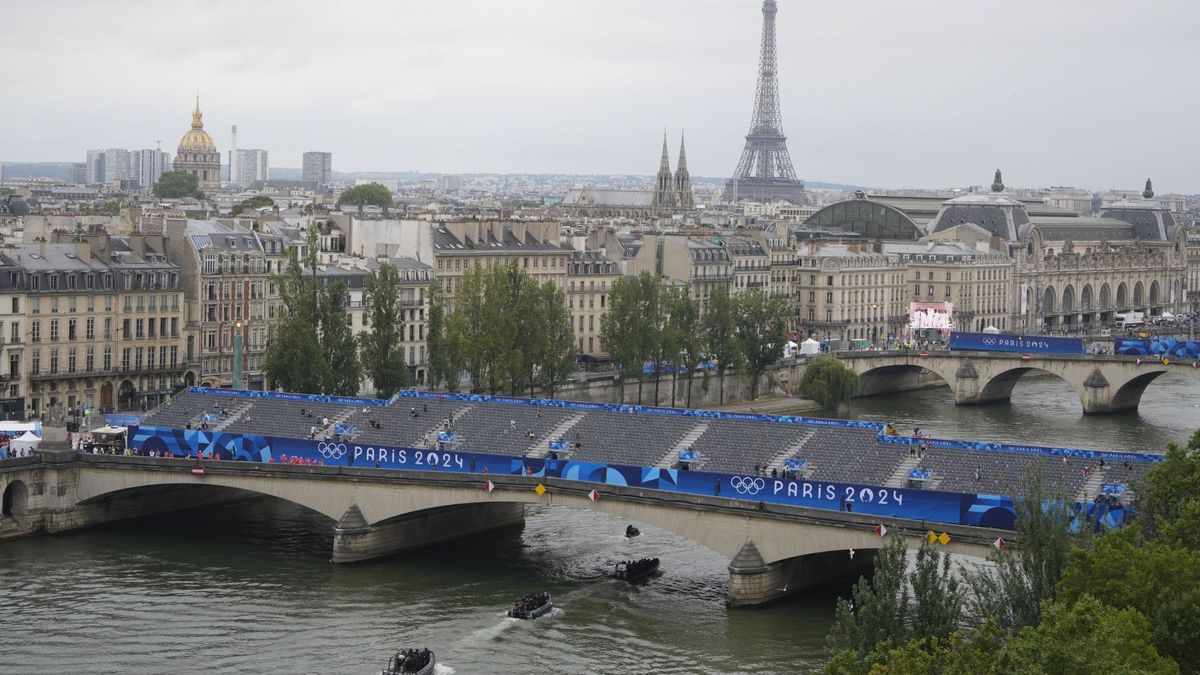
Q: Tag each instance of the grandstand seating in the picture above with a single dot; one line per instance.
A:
(732, 446)
(504, 429)
(398, 424)
(850, 456)
(627, 438)
(835, 454)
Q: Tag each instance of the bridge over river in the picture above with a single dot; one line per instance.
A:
(1104, 383)
(773, 549)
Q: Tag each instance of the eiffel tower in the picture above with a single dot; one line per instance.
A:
(765, 173)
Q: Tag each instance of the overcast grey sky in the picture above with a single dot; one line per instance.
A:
(887, 93)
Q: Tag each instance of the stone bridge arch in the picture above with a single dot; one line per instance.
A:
(1103, 384)
(887, 379)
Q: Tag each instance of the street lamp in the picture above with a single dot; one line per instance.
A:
(237, 355)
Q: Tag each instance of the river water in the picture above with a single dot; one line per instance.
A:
(251, 590)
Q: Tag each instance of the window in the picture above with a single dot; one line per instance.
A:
(71, 334)
(107, 328)
(35, 366)
(107, 357)
(71, 360)
(125, 358)
(829, 280)
(35, 332)
(16, 305)
(54, 305)
(54, 360)
(14, 366)
(15, 331)
(53, 330)
(90, 359)
(90, 328)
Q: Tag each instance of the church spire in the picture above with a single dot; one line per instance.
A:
(683, 181)
(197, 116)
(664, 184)
(1148, 193)
(998, 183)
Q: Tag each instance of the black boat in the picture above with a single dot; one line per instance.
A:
(634, 571)
(411, 662)
(631, 531)
(531, 606)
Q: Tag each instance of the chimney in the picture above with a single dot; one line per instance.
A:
(42, 246)
(83, 249)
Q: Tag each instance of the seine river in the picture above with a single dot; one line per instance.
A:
(249, 589)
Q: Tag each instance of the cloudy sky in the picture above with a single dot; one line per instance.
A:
(887, 93)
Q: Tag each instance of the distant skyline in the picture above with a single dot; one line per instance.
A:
(919, 94)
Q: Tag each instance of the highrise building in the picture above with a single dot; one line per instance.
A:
(249, 166)
(149, 165)
(78, 172)
(318, 167)
(198, 154)
(94, 172)
(118, 165)
(765, 173)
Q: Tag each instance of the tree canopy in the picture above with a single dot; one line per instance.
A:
(504, 329)
(720, 335)
(368, 194)
(382, 344)
(251, 204)
(176, 184)
(761, 333)
(829, 382)
(312, 347)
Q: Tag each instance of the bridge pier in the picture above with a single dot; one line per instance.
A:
(754, 582)
(354, 540)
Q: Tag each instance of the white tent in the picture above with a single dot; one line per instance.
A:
(810, 346)
(991, 330)
(21, 445)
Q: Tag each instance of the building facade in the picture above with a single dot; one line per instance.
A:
(102, 323)
(250, 165)
(318, 168)
(590, 276)
(229, 290)
(847, 291)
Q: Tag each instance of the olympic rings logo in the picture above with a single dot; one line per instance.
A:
(331, 450)
(747, 485)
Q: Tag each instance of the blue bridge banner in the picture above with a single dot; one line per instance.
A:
(980, 510)
(1030, 344)
(1157, 346)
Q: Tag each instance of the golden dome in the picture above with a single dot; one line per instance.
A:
(197, 139)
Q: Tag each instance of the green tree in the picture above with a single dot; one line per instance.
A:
(369, 194)
(961, 653)
(619, 330)
(344, 373)
(720, 335)
(557, 359)
(650, 328)
(829, 382)
(467, 326)
(761, 333)
(1082, 638)
(438, 339)
(501, 324)
(686, 339)
(176, 184)
(381, 346)
(1010, 591)
(110, 208)
(1168, 504)
(251, 204)
(1160, 581)
(897, 606)
(295, 359)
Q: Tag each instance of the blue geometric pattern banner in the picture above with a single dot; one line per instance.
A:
(928, 505)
